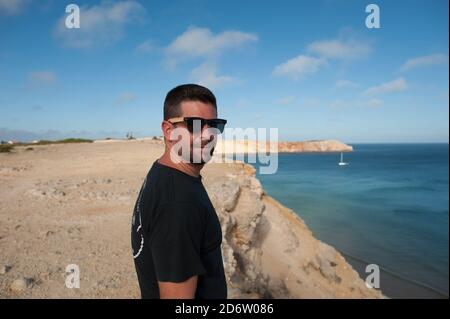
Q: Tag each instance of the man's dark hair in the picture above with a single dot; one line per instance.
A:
(186, 92)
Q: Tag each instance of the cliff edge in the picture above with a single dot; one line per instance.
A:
(249, 146)
(268, 250)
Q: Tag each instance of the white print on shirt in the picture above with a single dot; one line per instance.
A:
(138, 212)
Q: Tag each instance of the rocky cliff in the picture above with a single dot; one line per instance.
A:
(314, 146)
(268, 250)
(72, 204)
(245, 146)
(251, 146)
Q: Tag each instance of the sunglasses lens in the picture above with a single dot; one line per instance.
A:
(192, 123)
(219, 126)
(189, 124)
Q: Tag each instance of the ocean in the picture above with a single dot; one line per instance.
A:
(389, 206)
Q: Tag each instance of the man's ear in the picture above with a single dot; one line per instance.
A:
(166, 128)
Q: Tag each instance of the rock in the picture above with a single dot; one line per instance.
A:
(19, 285)
(269, 252)
(4, 269)
(255, 186)
(314, 146)
(224, 194)
(251, 147)
(47, 192)
(247, 213)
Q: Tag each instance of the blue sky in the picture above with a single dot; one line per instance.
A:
(310, 68)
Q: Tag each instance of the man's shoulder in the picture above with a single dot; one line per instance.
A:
(159, 179)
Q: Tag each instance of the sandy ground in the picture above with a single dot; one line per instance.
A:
(72, 204)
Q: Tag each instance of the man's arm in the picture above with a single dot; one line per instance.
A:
(176, 243)
(178, 290)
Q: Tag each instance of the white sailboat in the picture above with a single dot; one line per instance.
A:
(342, 163)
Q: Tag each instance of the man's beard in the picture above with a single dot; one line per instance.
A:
(202, 161)
(201, 157)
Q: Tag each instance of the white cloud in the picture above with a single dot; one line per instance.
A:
(206, 75)
(427, 60)
(10, 7)
(299, 67)
(100, 25)
(39, 78)
(393, 86)
(339, 48)
(345, 84)
(201, 42)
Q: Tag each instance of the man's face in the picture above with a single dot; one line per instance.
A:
(201, 139)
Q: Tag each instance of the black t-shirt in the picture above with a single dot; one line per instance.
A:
(176, 234)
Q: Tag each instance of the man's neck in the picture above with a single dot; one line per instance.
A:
(188, 168)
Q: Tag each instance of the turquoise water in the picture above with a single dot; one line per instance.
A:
(390, 206)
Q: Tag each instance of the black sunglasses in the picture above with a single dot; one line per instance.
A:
(189, 121)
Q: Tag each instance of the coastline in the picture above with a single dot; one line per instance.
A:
(71, 204)
(325, 206)
(276, 245)
(394, 285)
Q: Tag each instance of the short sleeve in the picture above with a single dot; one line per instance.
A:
(176, 242)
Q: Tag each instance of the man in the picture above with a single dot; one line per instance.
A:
(176, 235)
